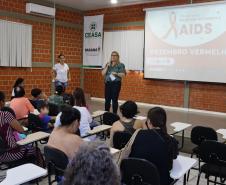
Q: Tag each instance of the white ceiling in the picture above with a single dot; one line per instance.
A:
(97, 4)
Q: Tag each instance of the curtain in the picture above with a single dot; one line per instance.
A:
(15, 44)
(130, 46)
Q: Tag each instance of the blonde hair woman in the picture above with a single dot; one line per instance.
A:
(113, 73)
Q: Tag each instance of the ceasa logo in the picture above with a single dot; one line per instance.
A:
(186, 27)
(93, 33)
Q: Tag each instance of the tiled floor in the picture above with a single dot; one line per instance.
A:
(215, 121)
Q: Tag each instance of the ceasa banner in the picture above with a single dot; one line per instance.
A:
(92, 44)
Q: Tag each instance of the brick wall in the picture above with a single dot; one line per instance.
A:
(207, 96)
(33, 78)
(68, 40)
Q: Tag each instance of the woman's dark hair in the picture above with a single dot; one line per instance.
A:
(36, 92)
(68, 99)
(59, 90)
(8, 109)
(69, 115)
(2, 96)
(79, 97)
(19, 92)
(129, 109)
(18, 82)
(158, 118)
(60, 55)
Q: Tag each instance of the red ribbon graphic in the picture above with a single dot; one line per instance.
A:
(173, 28)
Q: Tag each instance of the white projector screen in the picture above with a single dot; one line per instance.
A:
(186, 43)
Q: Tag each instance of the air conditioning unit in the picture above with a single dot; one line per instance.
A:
(40, 10)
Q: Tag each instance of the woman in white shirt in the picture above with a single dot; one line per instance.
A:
(61, 74)
(80, 104)
(86, 118)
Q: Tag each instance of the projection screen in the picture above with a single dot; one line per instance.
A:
(186, 43)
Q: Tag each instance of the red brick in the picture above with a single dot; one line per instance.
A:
(205, 96)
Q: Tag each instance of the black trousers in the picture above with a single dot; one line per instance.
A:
(112, 90)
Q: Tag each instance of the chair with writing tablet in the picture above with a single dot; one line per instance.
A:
(108, 119)
(198, 135)
(213, 154)
(57, 162)
(136, 171)
(120, 139)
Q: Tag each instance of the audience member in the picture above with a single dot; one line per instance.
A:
(18, 136)
(44, 117)
(127, 123)
(86, 118)
(63, 137)
(57, 98)
(9, 125)
(156, 145)
(80, 104)
(21, 105)
(38, 97)
(68, 99)
(92, 165)
(18, 82)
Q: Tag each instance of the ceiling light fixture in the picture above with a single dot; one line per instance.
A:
(114, 1)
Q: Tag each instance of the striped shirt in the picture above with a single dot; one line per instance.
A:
(14, 152)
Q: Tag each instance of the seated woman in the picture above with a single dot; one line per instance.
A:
(63, 137)
(127, 122)
(57, 98)
(80, 104)
(92, 165)
(9, 125)
(18, 82)
(156, 145)
(38, 97)
(21, 105)
(18, 136)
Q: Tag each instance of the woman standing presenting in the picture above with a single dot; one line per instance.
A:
(113, 73)
(61, 74)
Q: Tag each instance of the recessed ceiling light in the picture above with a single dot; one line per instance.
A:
(114, 1)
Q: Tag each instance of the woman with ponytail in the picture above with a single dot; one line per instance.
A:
(154, 144)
